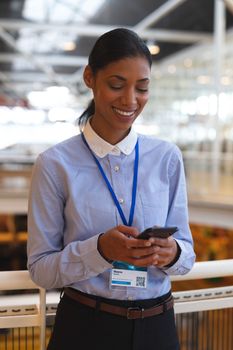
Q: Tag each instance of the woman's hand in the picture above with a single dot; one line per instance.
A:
(166, 250)
(120, 244)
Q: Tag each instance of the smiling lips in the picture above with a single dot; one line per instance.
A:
(124, 113)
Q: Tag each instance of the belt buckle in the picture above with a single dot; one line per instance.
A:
(137, 308)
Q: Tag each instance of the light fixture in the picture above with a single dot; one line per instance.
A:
(188, 62)
(153, 47)
(69, 46)
(171, 68)
(203, 79)
(157, 75)
(226, 80)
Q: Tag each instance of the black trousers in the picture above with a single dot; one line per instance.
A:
(79, 327)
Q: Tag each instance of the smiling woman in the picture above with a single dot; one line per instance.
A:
(92, 195)
(120, 93)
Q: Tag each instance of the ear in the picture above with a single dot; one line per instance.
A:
(88, 77)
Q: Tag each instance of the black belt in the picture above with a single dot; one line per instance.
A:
(131, 313)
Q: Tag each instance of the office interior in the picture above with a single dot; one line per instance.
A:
(44, 47)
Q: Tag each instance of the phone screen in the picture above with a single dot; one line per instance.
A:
(158, 232)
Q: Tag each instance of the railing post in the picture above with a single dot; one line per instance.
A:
(218, 54)
(42, 315)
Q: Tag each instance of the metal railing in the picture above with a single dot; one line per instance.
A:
(206, 269)
(186, 302)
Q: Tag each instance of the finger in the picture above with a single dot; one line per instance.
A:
(137, 243)
(164, 261)
(143, 252)
(145, 261)
(162, 242)
(165, 256)
(128, 230)
(160, 261)
(164, 252)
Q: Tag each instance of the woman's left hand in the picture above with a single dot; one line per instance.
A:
(166, 250)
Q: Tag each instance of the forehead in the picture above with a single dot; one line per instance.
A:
(136, 67)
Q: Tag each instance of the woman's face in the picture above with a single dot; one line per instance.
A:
(120, 91)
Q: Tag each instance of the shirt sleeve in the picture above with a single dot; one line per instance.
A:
(178, 215)
(50, 263)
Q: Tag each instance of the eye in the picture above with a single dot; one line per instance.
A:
(143, 90)
(115, 87)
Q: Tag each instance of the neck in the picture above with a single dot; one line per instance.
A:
(111, 137)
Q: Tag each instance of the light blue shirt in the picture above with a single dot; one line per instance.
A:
(70, 205)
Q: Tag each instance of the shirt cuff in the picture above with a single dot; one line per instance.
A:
(93, 261)
(177, 268)
(100, 251)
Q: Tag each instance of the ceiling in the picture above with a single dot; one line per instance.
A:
(46, 43)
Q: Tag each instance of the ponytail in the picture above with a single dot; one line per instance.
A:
(89, 111)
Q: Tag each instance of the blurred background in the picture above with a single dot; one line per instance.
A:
(44, 47)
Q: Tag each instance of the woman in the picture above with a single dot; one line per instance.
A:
(92, 195)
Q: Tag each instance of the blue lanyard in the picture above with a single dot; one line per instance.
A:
(134, 189)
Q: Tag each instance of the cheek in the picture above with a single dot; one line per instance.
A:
(144, 100)
(105, 97)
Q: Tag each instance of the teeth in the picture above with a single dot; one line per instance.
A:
(127, 114)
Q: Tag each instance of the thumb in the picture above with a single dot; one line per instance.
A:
(129, 230)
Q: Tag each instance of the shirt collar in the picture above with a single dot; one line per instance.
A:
(101, 147)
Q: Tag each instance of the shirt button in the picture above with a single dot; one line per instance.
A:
(117, 168)
(121, 200)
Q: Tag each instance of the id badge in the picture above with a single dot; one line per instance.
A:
(125, 275)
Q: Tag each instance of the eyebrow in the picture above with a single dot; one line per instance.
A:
(123, 79)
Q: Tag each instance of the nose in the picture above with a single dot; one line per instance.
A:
(129, 98)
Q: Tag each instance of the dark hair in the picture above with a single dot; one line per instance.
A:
(110, 47)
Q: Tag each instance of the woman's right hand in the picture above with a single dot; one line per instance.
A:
(121, 244)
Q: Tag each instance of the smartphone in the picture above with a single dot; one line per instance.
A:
(158, 232)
